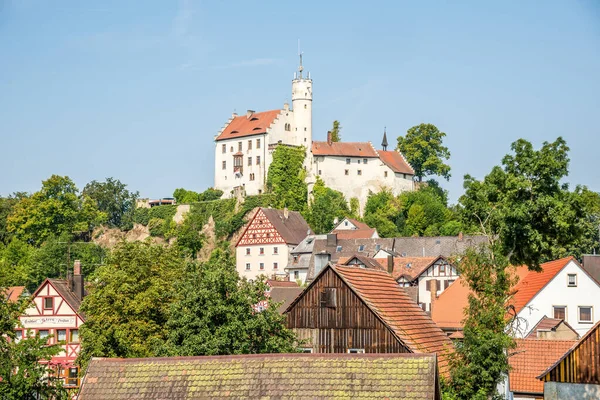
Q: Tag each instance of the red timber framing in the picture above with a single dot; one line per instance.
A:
(51, 314)
(260, 231)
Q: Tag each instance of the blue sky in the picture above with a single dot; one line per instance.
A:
(137, 90)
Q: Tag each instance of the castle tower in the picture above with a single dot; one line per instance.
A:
(302, 106)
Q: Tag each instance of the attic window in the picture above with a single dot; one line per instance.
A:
(338, 249)
(253, 119)
(232, 132)
(329, 298)
(377, 247)
(309, 240)
(361, 247)
(257, 129)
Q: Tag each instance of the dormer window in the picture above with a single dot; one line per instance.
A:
(257, 129)
(253, 119)
(572, 280)
(233, 132)
(338, 249)
(361, 247)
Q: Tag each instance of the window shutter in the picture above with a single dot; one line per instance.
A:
(329, 298)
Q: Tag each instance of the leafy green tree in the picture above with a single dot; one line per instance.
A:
(16, 263)
(335, 132)
(54, 210)
(24, 372)
(425, 211)
(286, 178)
(184, 196)
(536, 217)
(528, 217)
(326, 206)
(6, 207)
(383, 212)
(354, 207)
(128, 302)
(423, 148)
(113, 199)
(215, 314)
(210, 194)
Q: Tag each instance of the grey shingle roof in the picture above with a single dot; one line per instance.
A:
(264, 376)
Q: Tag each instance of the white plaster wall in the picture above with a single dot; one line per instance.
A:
(255, 259)
(371, 179)
(557, 293)
(302, 274)
(225, 179)
(302, 106)
(433, 273)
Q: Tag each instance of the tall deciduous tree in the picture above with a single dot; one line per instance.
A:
(113, 198)
(424, 150)
(24, 372)
(55, 209)
(215, 314)
(286, 178)
(327, 205)
(335, 132)
(529, 217)
(128, 302)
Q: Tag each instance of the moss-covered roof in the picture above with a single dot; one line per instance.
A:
(268, 376)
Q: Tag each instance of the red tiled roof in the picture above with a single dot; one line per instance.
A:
(243, 126)
(418, 265)
(344, 149)
(394, 307)
(448, 309)
(276, 283)
(532, 357)
(13, 293)
(355, 233)
(533, 282)
(396, 162)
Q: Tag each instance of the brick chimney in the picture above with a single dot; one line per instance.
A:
(390, 264)
(433, 287)
(329, 138)
(77, 280)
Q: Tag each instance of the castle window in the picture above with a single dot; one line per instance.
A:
(257, 160)
(224, 164)
(231, 149)
(247, 266)
(304, 129)
(262, 266)
(385, 174)
(224, 148)
(364, 160)
(346, 172)
(258, 143)
(252, 176)
(359, 172)
(275, 265)
(259, 191)
(239, 146)
(347, 161)
(249, 144)
(358, 161)
(249, 161)
(319, 172)
(305, 107)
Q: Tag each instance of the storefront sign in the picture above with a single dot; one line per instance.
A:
(47, 322)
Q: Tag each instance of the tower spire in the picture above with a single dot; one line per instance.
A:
(384, 142)
(300, 67)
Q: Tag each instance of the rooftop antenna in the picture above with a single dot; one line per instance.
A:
(300, 68)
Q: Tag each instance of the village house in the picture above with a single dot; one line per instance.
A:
(348, 309)
(576, 374)
(55, 312)
(561, 290)
(244, 151)
(282, 292)
(268, 238)
(13, 293)
(553, 329)
(264, 376)
(349, 228)
(527, 361)
(301, 258)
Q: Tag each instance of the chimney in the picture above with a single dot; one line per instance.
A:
(433, 287)
(390, 263)
(460, 236)
(77, 280)
(286, 213)
(286, 106)
(329, 138)
(331, 239)
(249, 113)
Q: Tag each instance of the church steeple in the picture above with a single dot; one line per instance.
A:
(384, 142)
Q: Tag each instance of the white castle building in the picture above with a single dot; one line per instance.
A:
(245, 145)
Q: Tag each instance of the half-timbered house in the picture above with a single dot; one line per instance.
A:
(267, 240)
(349, 309)
(54, 313)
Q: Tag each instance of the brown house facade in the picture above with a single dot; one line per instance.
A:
(350, 309)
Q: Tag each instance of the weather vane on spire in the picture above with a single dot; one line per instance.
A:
(300, 67)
